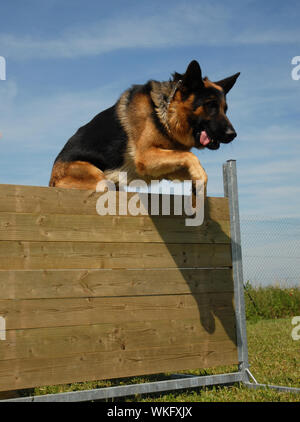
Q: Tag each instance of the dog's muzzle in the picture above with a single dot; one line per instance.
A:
(202, 139)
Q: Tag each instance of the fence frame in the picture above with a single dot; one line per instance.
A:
(182, 381)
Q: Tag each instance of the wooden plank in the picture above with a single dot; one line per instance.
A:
(68, 341)
(19, 255)
(16, 374)
(38, 284)
(38, 313)
(80, 228)
(40, 200)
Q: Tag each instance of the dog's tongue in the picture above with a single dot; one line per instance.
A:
(204, 139)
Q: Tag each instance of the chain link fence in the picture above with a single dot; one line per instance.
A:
(271, 251)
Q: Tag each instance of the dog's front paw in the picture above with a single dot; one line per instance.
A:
(199, 187)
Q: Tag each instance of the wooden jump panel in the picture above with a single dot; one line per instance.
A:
(45, 343)
(95, 366)
(20, 255)
(88, 228)
(86, 297)
(51, 342)
(42, 200)
(84, 311)
(47, 284)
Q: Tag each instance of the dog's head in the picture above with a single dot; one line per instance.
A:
(204, 104)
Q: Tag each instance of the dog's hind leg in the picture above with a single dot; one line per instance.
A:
(75, 174)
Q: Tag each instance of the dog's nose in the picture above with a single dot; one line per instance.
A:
(230, 134)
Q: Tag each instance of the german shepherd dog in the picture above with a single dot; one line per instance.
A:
(149, 132)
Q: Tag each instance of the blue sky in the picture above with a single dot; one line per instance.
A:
(69, 59)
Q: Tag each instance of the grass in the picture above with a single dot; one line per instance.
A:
(273, 355)
(271, 302)
(274, 359)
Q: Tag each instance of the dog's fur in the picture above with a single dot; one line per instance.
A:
(148, 133)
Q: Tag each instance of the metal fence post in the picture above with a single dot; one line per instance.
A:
(231, 191)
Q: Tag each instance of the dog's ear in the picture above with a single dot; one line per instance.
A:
(192, 79)
(227, 83)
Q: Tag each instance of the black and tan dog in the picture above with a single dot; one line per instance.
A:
(149, 132)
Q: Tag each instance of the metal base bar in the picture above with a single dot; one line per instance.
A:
(280, 388)
(127, 390)
(255, 385)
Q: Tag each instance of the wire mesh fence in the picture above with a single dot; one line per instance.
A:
(271, 250)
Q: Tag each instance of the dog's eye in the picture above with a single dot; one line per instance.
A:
(212, 106)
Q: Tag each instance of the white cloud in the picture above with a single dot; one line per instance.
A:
(269, 36)
(139, 30)
(183, 24)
